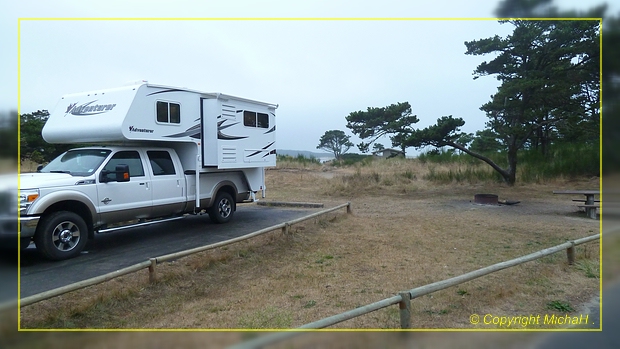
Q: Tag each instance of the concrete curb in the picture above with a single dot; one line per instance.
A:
(290, 204)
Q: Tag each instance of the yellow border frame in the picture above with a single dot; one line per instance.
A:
(19, 20)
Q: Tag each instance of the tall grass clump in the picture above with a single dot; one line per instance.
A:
(300, 161)
(353, 160)
(451, 156)
(562, 160)
(468, 174)
(378, 176)
(358, 182)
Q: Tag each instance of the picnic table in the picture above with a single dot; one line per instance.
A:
(589, 201)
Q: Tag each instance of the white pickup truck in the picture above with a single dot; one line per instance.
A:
(159, 153)
(102, 189)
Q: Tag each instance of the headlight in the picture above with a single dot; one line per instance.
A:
(26, 198)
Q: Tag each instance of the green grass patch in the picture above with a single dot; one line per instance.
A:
(589, 267)
(561, 306)
(269, 317)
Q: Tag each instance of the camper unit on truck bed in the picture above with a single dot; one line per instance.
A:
(156, 153)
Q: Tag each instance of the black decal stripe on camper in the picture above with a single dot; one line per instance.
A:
(220, 127)
(193, 132)
(220, 135)
(166, 91)
(273, 129)
(263, 148)
(268, 145)
(227, 126)
(270, 153)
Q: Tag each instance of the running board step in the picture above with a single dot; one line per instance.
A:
(140, 224)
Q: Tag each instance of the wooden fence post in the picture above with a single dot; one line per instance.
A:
(348, 207)
(570, 254)
(405, 310)
(286, 229)
(152, 274)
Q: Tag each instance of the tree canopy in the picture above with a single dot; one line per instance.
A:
(335, 142)
(32, 144)
(549, 73)
(610, 63)
(374, 123)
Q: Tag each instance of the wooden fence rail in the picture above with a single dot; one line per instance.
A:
(152, 262)
(403, 299)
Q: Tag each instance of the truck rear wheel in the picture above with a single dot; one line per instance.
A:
(223, 208)
(61, 235)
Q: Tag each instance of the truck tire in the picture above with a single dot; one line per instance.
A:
(223, 208)
(61, 235)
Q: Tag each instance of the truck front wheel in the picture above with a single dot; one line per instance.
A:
(61, 235)
(223, 208)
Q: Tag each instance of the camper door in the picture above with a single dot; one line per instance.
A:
(245, 135)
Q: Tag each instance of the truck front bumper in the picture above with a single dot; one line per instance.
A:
(28, 226)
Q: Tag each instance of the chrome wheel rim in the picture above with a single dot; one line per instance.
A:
(66, 236)
(224, 208)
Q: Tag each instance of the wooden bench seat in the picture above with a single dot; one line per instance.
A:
(589, 206)
(583, 200)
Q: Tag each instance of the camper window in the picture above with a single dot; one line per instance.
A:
(168, 112)
(254, 119)
(249, 118)
(263, 120)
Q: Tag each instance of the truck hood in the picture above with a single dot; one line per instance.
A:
(47, 180)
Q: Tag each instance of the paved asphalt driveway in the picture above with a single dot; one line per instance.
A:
(113, 251)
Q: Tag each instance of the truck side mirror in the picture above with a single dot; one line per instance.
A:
(122, 173)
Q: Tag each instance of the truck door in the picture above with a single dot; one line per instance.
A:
(125, 201)
(168, 183)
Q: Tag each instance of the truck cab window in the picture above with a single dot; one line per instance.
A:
(129, 158)
(161, 163)
(78, 162)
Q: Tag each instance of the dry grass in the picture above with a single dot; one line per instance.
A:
(405, 232)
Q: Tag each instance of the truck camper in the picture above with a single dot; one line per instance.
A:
(156, 153)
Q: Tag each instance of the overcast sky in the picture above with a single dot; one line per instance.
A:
(318, 71)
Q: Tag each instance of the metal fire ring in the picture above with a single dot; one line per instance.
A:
(486, 199)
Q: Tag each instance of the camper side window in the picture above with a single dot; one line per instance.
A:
(169, 113)
(254, 119)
